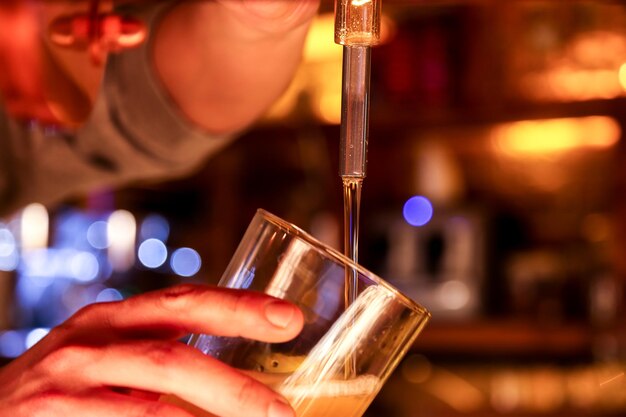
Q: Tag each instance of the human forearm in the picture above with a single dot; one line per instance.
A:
(224, 63)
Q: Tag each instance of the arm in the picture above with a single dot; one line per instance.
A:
(225, 62)
(221, 84)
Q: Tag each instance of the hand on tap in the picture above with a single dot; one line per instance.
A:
(222, 62)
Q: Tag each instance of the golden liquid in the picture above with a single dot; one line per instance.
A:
(328, 399)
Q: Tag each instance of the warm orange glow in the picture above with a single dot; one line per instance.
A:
(319, 44)
(318, 80)
(622, 76)
(589, 67)
(555, 136)
(571, 84)
(455, 390)
(328, 107)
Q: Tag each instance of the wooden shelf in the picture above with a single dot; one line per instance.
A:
(505, 338)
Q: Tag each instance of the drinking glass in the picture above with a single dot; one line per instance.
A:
(343, 356)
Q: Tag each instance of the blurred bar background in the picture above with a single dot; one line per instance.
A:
(495, 196)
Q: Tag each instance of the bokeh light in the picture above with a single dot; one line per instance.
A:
(9, 257)
(454, 294)
(185, 262)
(35, 336)
(152, 253)
(417, 211)
(84, 266)
(121, 231)
(34, 227)
(555, 136)
(97, 235)
(155, 226)
(108, 295)
(11, 344)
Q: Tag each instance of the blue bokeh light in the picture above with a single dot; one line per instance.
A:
(35, 336)
(9, 257)
(97, 235)
(7, 242)
(417, 211)
(185, 262)
(70, 230)
(41, 266)
(108, 295)
(155, 227)
(11, 344)
(152, 253)
(10, 262)
(84, 266)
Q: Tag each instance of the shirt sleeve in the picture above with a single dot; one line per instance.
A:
(135, 133)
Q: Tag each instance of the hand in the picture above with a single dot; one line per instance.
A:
(271, 16)
(224, 63)
(21, 63)
(51, 64)
(90, 365)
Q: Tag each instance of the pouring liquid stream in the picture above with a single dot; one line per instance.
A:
(351, 209)
(357, 28)
(351, 206)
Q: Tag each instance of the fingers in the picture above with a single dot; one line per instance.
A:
(171, 368)
(115, 32)
(20, 62)
(99, 403)
(196, 309)
(99, 347)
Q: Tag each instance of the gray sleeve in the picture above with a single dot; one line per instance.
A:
(134, 134)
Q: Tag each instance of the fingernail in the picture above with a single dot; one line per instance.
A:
(279, 313)
(280, 408)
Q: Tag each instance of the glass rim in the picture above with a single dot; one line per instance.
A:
(340, 257)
